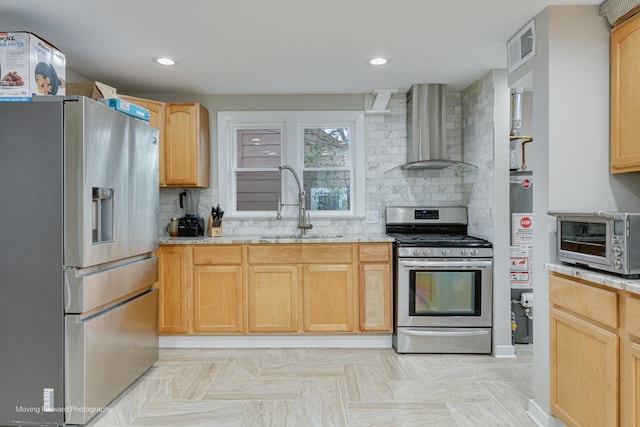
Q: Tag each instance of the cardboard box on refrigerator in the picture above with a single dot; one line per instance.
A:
(93, 90)
(127, 108)
(29, 66)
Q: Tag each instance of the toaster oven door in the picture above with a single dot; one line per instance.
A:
(585, 240)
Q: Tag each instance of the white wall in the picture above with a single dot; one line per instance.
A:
(485, 108)
(570, 151)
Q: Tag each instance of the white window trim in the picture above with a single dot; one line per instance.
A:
(292, 124)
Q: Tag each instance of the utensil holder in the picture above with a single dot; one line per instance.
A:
(214, 228)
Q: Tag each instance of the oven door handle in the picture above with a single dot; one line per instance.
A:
(428, 333)
(447, 264)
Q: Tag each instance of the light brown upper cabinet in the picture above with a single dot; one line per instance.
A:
(184, 142)
(625, 96)
(186, 145)
(156, 119)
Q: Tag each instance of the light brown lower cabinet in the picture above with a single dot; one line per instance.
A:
(275, 288)
(173, 286)
(328, 298)
(217, 289)
(374, 288)
(312, 283)
(629, 383)
(273, 296)
(375, 298)
(595, 353)
(217, 299)
(584, 368)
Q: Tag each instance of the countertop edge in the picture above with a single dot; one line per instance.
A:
(611, 281)
(228, 240)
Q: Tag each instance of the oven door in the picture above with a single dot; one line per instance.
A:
(444, 292)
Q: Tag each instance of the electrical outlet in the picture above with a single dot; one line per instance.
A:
(372, 217)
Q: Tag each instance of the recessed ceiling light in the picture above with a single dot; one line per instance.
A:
(165, 61)
(378, 61)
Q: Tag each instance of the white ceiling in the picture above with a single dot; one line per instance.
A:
(277, 46)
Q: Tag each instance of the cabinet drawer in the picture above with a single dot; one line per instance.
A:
(327, 254)
(275, 254)
(630, 316)
(597, 304)
(217, 255)
(380, 252)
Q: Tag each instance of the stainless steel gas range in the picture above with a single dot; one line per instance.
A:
(443, 281)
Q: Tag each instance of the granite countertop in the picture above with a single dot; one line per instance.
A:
(264, 238)
(609, 280)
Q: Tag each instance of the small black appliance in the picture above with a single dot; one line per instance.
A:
(190, 225)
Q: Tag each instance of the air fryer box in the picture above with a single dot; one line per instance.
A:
(29, 66)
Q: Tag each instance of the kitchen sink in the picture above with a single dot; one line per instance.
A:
(298, 236)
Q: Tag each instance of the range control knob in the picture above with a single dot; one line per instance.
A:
(416, 251)
(617, 264)
(617, 250)
(426, 252)
(474, 252)
(446, 252)
(464, 252)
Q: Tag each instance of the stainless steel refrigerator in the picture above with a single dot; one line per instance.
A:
(79, 221)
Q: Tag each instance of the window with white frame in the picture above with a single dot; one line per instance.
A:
(326, 149)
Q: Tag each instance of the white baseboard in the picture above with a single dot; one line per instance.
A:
(541, 418)
(504, 351)
(278, 341)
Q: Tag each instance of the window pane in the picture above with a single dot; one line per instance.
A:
(327, 190)
(257, 191)
(258, 148)
(326, 147)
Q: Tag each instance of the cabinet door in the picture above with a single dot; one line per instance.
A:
(157, 120)
(375, 298)
(629, 383)
(217, 298)
(273, 296)
(625, 96)
(584, 371)
(328, 298)
(187, 145)
(174, 287)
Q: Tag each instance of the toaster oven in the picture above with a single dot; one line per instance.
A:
(606, 241)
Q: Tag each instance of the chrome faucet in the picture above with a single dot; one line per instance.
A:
(304, 220)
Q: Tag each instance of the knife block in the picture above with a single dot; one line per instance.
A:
(214, 228)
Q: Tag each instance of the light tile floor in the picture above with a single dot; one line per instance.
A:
(326, 387)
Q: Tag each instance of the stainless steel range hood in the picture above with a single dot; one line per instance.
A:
(426, 116)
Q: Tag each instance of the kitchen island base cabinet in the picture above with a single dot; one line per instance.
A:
(273, 298)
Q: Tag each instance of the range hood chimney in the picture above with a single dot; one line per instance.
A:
(426, 115)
